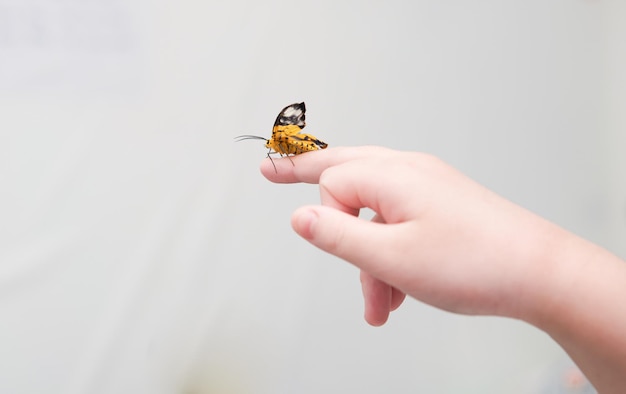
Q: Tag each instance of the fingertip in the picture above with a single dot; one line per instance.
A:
(303, 221)
(377, 298)
(376, 320)
(279, 170)
(268, 170)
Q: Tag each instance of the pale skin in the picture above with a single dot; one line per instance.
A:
(445, 240)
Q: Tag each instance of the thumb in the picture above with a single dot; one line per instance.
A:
(368, 245)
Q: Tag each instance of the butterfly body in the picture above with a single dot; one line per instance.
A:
(287, 139)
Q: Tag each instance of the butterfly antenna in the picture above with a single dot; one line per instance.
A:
(249, 137)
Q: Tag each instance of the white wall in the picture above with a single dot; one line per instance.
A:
(142, 252)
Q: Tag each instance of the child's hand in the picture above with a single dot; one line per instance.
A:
(437, 235)
(447, 241)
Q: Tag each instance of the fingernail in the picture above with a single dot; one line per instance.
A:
(304, 222)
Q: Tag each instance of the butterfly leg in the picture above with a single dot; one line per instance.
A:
(285, 149)
(270, 157)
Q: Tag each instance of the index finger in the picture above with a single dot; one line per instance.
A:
(308, 167)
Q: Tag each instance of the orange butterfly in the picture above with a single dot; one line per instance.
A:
(286, 137)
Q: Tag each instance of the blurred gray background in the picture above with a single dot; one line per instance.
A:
(141, 251)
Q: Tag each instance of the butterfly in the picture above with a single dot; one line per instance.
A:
(286, 139)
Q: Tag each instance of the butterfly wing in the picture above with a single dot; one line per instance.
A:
(308, 141)
(290, 120)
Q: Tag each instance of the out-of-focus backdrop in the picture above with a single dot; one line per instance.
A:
(141, 251)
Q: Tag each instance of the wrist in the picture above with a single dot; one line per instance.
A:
(578, 299)
(553, 272)
(535, 268)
